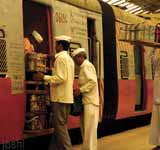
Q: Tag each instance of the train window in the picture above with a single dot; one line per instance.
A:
(3, 54)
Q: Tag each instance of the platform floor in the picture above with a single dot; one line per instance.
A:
(135, 139)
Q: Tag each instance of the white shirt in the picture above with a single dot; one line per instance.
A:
(62, 78)
(88, 83)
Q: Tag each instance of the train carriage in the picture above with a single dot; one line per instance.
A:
(130, 76)
(113, 40)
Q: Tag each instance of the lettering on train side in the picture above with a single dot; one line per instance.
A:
(124, 65)
(79, 24)
(61, 17)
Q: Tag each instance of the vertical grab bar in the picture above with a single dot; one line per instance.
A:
(99, 50)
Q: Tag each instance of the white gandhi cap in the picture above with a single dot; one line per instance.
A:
(37, 36)
(63, 38)
(77, 51)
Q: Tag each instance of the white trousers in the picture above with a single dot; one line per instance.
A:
(154, 137)
(89, 124)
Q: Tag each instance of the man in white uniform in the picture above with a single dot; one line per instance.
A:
(90, 98)
(31, 41)
(61, 93)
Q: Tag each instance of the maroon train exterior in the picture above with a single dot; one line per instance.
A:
(118, 44)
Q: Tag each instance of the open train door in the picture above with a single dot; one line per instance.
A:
(95, 56)
(37, 18)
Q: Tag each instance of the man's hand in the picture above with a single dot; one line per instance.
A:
(47, 78)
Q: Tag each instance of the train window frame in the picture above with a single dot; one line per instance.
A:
(3, 54)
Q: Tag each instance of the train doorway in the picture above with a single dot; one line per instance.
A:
(38, 50)
(139, 77)
(92, 42)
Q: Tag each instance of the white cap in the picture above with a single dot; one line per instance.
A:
(77, 51)
(63, 38)
(37, 36)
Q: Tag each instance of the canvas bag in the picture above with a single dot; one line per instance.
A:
(77, 106)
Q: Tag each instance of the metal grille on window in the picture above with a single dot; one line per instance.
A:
(3, 53)
(124, 65)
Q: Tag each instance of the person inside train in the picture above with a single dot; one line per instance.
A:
(31, 42)
(90, 99)
(154, 137)
(62, 93)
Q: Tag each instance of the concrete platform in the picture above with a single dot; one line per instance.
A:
(135, 139)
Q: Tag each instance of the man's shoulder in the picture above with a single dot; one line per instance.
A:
(66, 57)
(88, 63)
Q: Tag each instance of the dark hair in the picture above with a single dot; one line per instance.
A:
(65, 44)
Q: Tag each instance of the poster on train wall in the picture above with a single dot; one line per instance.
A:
(72, 21)
(13, 36)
